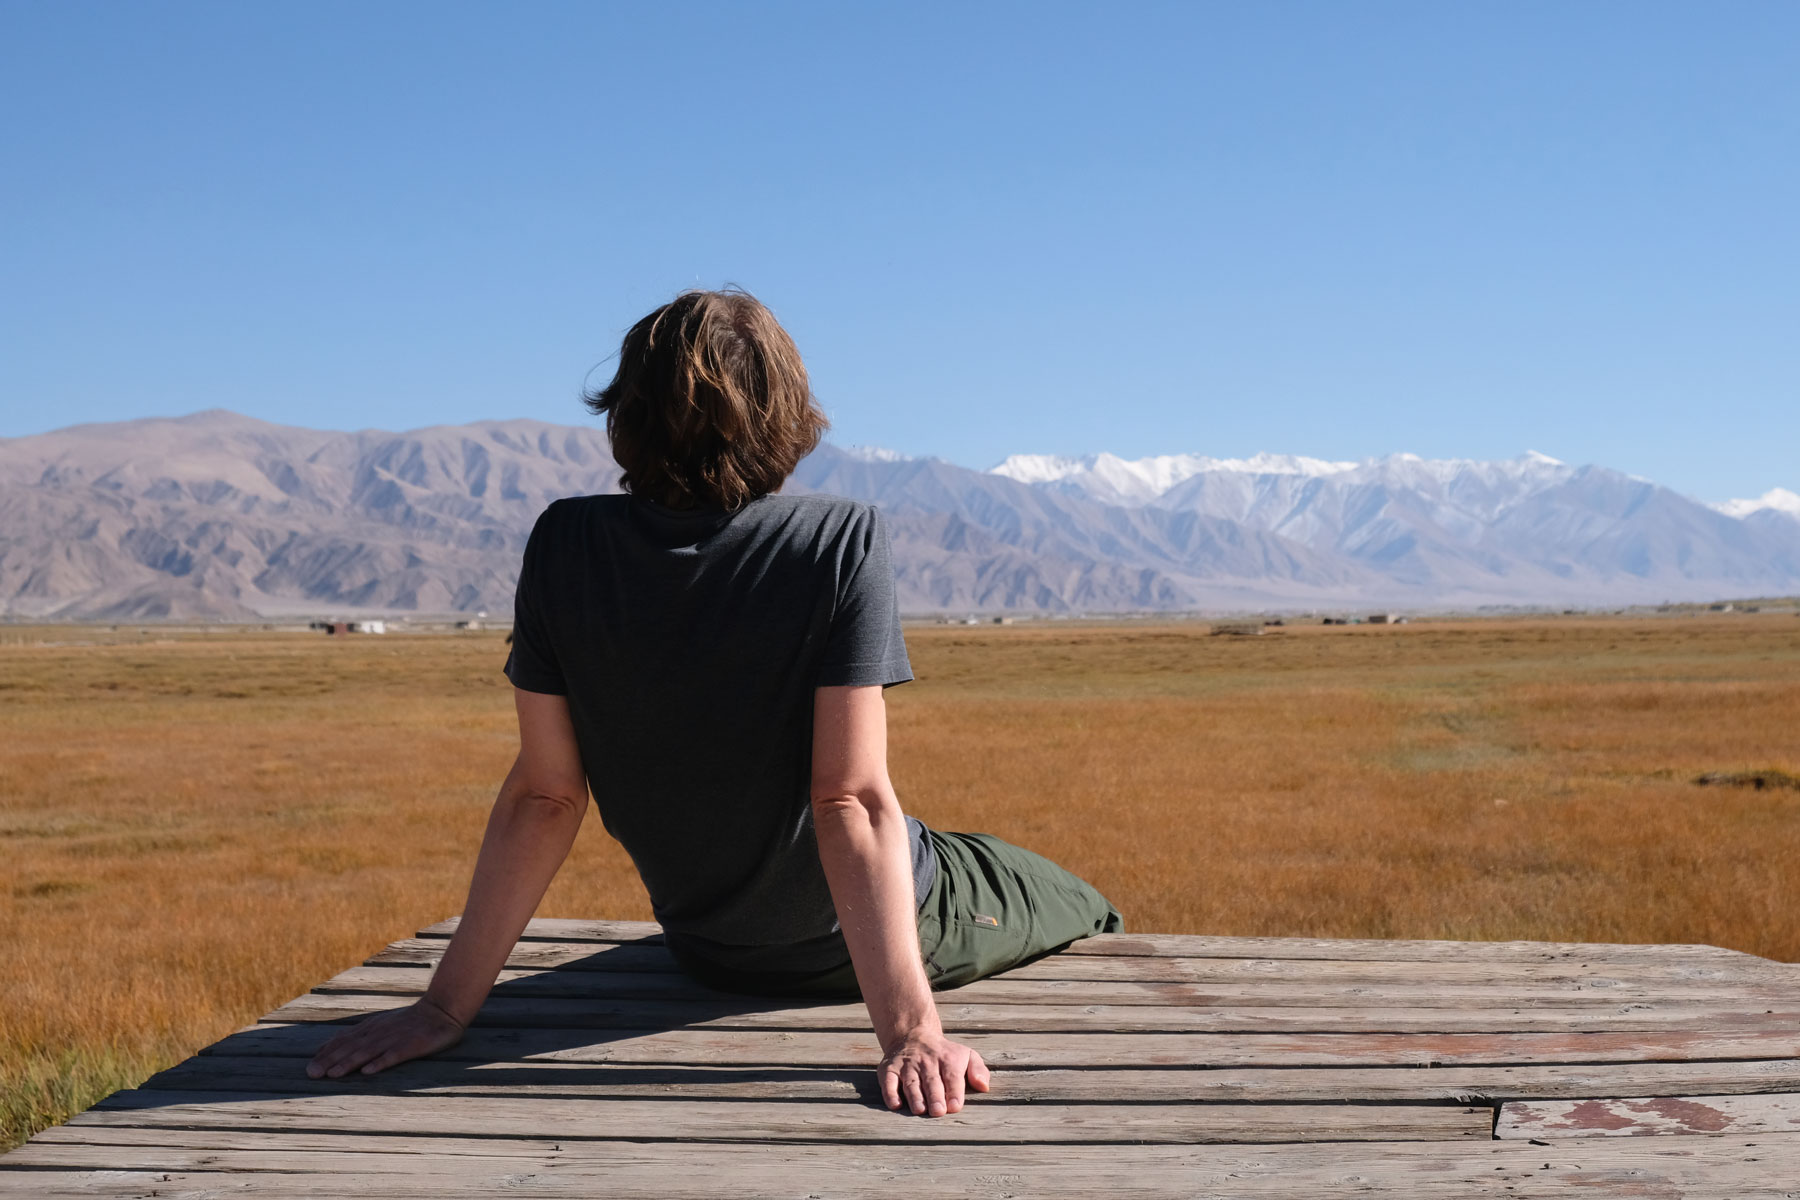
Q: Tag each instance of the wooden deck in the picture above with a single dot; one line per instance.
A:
(1141, 1065)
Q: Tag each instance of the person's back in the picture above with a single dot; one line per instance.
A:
(689, 645)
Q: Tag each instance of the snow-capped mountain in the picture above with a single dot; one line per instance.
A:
(1530, 525)
(220, 515)
(1115, 480)
(1776, 500)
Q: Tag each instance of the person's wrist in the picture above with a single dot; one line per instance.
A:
(921, 1028)
(441, 1008)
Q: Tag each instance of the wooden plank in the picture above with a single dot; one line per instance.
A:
(1664, 1114)
(1192, 946)
(195, 1163)
(1077, 1050)
(748, 1013)
(556, 929)
(564, 929)
(1441, 1085)
(1679, 974)
(789, 1121)
(634, 985)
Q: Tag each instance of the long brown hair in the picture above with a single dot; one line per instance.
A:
(710, 406)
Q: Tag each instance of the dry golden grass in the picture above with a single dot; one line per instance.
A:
(197, 828)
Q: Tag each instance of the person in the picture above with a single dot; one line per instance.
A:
(707, 656)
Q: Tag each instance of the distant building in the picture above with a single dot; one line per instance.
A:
(336, 628)
(468, 624)
(1003, 620)
(1381, 619)
(1237, 629)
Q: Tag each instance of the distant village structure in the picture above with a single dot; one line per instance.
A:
(339, 628)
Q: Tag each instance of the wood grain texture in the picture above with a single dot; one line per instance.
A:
(1417, 993)
(789, 1121)
(1132, 1065)
(559, 929)
(1438, 1085)
(207, 1163)
(750, 1013)
(1676, 973)
(1090, 1049)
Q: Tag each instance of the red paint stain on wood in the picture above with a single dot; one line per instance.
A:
(1701, 1118)
(1594, 1114)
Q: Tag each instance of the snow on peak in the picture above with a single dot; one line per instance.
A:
(875, 454)
(1779, 499)
(1140, 480)
(1542, 460)
(1040, 468)
(1264, 463)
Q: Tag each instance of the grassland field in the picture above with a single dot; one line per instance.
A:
(196, 827)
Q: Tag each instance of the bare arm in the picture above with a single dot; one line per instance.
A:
(533, 824)
(868, 863)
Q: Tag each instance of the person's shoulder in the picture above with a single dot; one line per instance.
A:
(570, 513)
(576, 508)
(822, 508)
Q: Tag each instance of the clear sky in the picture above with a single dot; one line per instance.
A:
(1337, 229)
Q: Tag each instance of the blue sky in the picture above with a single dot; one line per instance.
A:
(1332, 229)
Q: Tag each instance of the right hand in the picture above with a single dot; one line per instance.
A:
(386, 1039)
(927, 1072)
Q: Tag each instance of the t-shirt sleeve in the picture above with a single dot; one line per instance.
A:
(532, 665)
(865, 645)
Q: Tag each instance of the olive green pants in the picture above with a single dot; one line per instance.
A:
(992, 906)
(995, 905)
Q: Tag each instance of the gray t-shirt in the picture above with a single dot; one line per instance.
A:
(689, 645)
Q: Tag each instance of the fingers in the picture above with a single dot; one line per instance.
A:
(951, 1084)
(890, 1084)
(385, 1036)
(910, 1085)
(979, 1077)
(383, 1061)
(344, 1054)
(932, 1078)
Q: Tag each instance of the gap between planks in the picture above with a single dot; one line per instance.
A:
(754, 1013)
(789, 1121)
(1453, 1085)
(1094, 1049)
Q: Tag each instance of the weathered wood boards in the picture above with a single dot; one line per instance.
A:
(1009, 989)
(1704, 972)
(1292, 1085)
(1132, 1065)
(749, 1013)
(557, 929)
(191, 1164)
(783, 1120)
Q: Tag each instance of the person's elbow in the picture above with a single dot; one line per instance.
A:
(850, 804)
(548, 802)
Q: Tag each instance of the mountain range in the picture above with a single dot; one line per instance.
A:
(217, 515)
